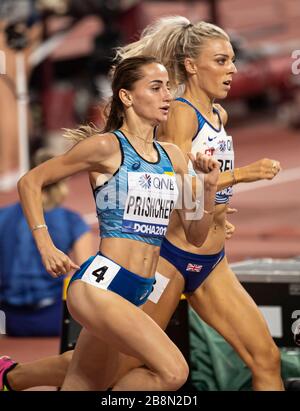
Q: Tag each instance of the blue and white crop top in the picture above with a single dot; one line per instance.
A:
(216, 142)
(136, 202)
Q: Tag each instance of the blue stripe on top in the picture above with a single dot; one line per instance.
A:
(112, 195)
(200, 118)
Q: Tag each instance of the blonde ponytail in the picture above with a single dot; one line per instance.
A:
(81, 133)
(171, 40)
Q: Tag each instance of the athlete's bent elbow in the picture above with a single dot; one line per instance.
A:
(21, 184)
(24, 184)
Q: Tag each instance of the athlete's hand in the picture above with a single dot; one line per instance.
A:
(56, 262)
(229, 227)
(207, 165)
(264, 169)
(229, 230)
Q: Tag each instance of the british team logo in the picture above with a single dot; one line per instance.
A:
(195, 268)
(145, 181)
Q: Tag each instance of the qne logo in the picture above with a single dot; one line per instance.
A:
(163, 182)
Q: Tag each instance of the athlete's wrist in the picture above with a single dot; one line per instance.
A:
(237, 176)
(210, 187)
(42, 239)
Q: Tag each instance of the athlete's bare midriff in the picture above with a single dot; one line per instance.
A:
(215, 239)
(136, 256)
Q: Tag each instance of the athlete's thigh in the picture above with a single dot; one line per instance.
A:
(161, 311)
(121, 324)
(223, 303)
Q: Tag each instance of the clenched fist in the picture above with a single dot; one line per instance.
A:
(264, 169)
(207, 165)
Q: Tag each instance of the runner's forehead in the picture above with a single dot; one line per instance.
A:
(155, 72)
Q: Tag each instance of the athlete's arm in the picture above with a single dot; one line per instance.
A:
(264, 169)
(195, 223)
(92, 154)
(259, 170)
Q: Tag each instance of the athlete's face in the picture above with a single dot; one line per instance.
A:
(150, 95)
(213, 68)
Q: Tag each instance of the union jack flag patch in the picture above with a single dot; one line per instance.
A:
(196, 268)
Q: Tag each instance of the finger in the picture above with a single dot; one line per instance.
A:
(60, 266)
(73, 265)
(202, 162)
(52, 273)
(61, 269)
(231, 210)
(229, 232)
(55, 269)
(205, 165)
(210, 164)
(275, 166)
(214, 163)
(228, 226)
(51, 269)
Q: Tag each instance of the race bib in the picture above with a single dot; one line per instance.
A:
(158, 287)
(223, 152)
(225, 155)
(101, 272)
(150, 200)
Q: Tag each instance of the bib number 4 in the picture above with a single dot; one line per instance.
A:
(99, 273)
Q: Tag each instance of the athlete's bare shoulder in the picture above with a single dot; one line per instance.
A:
(176, 156)
(182, 109)
(106, 143)
(181, 125)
